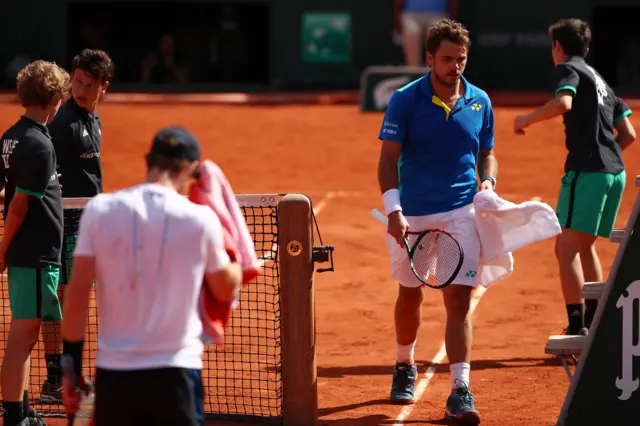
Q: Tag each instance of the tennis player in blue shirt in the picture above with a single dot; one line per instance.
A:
(436, 130)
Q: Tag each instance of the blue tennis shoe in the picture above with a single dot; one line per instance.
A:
(460, 406)
(404, 380)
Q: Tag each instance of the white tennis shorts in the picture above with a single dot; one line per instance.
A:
(460, 224)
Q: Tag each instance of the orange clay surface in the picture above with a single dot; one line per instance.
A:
(321, 150)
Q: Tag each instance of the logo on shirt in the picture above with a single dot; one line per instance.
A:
(476, 107)
(389, 127)
(90, 155)
(85, 132)
(601, 86)
(8, 145)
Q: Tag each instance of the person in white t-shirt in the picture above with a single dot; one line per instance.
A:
(149, 248)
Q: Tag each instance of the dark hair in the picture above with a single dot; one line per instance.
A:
(95, 62)
(573, 34)
(448, 30)
(172, 165)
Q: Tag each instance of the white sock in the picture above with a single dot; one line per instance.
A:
(405, 353)
(459, 371)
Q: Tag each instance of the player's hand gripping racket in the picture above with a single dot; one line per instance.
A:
(435, 257)
(85, 410)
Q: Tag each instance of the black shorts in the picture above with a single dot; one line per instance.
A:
(162, 396)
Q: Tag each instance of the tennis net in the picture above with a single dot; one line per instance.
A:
(242, 378)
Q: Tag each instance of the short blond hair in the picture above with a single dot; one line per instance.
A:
(40, 83)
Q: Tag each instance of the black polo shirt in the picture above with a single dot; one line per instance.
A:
(589, 126)
(29, 166)
(77, 136)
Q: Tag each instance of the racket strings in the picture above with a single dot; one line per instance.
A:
(436, 258)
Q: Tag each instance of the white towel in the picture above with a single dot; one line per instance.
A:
(504, 227)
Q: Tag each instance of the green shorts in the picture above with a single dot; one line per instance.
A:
(33, 293)
(589, 201)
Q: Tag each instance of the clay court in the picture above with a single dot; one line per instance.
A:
(330, 153)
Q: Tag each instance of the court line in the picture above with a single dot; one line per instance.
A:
(421, 387)
(332, 195)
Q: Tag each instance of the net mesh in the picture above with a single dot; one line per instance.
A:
(242, 378)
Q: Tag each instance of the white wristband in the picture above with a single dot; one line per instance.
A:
(391, 200)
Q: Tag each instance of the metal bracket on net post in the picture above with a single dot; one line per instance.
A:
(322, 253)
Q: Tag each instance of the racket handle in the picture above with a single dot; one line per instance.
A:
(379, 216)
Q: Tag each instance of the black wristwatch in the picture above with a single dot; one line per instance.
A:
(491, 178)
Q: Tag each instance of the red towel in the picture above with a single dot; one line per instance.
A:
(213, 189)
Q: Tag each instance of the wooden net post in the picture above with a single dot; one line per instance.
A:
(299, 379)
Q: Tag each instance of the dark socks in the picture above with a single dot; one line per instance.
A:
(590, 312)
(54, 371)
(12, 413)
(576, 318)
(25, 404)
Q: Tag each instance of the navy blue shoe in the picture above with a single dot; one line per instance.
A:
(404, 380)
(460, 406)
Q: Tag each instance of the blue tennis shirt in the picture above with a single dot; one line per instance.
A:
(437, 166)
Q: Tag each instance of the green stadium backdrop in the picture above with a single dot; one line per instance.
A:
(511, 47)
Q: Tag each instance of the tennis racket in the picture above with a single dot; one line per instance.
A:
(85, 411)
(435, 256)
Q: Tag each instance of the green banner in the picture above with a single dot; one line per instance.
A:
(326, 37)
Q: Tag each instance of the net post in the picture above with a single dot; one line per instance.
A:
(299, 375)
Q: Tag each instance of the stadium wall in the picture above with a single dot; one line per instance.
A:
(510, 45)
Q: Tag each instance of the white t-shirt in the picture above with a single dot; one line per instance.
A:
(152, 247)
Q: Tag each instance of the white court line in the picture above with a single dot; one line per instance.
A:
(421, 387)
(330, 196)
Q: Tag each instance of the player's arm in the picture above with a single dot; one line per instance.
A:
(76, 295)
(2, 187)
(32, 180)
(566, 88)
(223, 277)
(487, 161)
(388, 165)
(626, 133)
(76, 298)
(392, 136)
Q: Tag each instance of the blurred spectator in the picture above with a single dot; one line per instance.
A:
(229, 48)
(412, 18)
(162, 65)
(629, 65)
